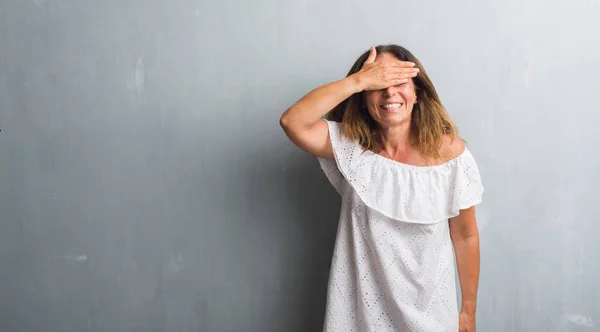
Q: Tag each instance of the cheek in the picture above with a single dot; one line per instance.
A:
(370, 98)
(410, 95)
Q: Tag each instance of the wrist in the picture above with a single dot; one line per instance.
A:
(357, 84)
(469, 307)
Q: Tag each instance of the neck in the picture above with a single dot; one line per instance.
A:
(396, 139)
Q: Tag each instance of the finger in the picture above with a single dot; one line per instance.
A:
(406, 72)
(372, 55)
(404, 64)
(413, 73)
(399, 81)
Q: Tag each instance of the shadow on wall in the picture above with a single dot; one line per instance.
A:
(274, 242)
(314, 204)
(309, 211)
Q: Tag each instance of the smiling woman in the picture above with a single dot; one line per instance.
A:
(420, 109)
(409, 186)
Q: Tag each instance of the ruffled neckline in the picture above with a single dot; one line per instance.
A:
(417, 167)
(405, 192)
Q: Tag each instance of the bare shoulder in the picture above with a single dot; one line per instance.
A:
(452, 147)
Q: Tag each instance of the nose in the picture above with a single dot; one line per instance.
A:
(390, 91)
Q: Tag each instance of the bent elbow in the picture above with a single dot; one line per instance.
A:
(284, 121)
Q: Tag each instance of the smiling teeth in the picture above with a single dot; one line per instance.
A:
(389, 106)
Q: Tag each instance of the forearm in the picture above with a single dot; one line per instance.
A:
(313, 106)
(467, 261)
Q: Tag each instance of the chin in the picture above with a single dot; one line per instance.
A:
(393, 119)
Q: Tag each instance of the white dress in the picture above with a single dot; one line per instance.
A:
(393, 263)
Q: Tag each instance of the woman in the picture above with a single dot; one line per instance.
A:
(408, 187)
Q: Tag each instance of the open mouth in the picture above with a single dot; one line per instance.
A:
(391, 107)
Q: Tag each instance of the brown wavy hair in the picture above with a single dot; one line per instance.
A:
(429, 119)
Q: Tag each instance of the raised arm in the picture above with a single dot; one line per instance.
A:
(302, 122)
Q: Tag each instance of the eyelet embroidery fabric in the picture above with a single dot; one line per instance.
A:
(393, 262)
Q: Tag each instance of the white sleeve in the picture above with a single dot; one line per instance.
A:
(330, 167)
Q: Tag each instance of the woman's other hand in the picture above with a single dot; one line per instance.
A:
(466, 322)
